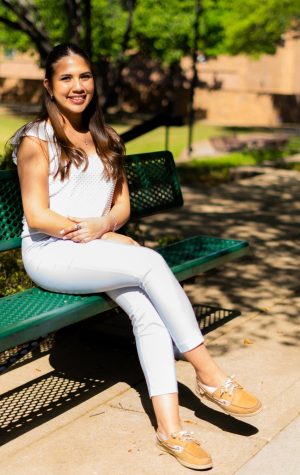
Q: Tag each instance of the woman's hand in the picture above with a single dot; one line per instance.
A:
(86, 229)
(120, 238)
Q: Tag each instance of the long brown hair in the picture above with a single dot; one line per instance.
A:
(108, 144)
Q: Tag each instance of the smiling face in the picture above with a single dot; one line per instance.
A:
(72, 85)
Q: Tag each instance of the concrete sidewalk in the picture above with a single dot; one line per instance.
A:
(82, 408)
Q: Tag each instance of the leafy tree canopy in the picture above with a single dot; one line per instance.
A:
(255, 27)
(157, 28)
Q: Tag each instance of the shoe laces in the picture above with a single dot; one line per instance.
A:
(229, 386)
(185, 436)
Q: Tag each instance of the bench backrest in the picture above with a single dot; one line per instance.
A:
(153, 184)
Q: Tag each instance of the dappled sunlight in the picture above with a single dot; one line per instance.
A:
(263, 210)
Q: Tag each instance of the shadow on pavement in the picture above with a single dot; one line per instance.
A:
(88, 358)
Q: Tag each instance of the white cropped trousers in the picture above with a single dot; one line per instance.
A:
(139, 281)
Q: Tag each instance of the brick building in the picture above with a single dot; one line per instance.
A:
(245, 91)
(20, 81)
(232, 90)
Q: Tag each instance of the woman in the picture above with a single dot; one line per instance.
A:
(75, 198)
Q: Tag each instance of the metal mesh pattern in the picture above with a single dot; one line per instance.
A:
(21, 353)
(19, 307)
(200, 248)
(153, 183)
(11, 210)
(42, 396)
(210, 317)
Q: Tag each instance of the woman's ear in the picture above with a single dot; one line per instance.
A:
(47, 86)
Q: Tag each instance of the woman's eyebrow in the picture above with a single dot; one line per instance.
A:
(71, 74)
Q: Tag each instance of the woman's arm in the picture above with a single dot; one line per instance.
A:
(33, 175)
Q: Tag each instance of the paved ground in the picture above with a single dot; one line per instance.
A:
(81, 407)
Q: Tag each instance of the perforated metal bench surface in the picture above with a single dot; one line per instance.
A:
(154, 188)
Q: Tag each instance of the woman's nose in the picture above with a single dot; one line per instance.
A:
(77, 85)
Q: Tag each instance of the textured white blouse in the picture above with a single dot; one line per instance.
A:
(83, 194)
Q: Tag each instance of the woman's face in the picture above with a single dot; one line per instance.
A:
(72, 85)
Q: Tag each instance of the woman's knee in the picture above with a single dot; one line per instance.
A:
(153, 258)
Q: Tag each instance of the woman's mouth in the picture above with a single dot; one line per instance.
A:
(78, 100)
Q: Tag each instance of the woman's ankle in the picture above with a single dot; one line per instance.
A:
(167, 431)
(211, 379)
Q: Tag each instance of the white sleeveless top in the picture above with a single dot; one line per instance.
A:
(83, 194)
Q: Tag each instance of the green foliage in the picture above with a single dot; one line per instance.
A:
(160, 29)
(108, 26)
(166, 239)
(163, 29)
(292, 147)
(234, 159)
(256, 27)
(6, 162)
(43, 15)
(48, 15)
(210, 170)
(12, 39)
(13, 277)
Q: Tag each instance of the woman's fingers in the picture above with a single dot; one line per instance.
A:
(73, 218)
(70, 230)
(80, 232)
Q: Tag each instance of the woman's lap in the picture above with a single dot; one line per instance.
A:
(97, 266)
(107, 266)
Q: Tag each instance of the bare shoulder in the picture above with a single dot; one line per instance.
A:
(32, 154)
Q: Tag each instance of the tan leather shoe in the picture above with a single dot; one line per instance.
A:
(231, 397)
(185, 449)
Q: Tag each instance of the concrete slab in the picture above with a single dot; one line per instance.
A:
(83, 408)
(280, 456)
(267, 366)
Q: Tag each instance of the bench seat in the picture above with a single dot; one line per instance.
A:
(35, 312)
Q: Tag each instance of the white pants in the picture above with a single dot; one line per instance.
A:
(139, 281)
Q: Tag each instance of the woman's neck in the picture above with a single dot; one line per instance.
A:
(75, 122)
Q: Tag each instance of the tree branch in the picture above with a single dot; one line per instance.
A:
(11, 24)
(130, 6)
(27, 26)
(71, 8)
(23, 15)
(87, 11)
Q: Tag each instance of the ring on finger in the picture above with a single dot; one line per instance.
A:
(77, 227)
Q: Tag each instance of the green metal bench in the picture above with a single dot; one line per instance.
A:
(154, 188)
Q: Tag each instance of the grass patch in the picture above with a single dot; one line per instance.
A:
(234, 159)
(178, 138)
(153, 141)
(8, 126)
(217, 169)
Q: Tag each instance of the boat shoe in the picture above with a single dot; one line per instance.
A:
(231, 397)
(185, 449)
